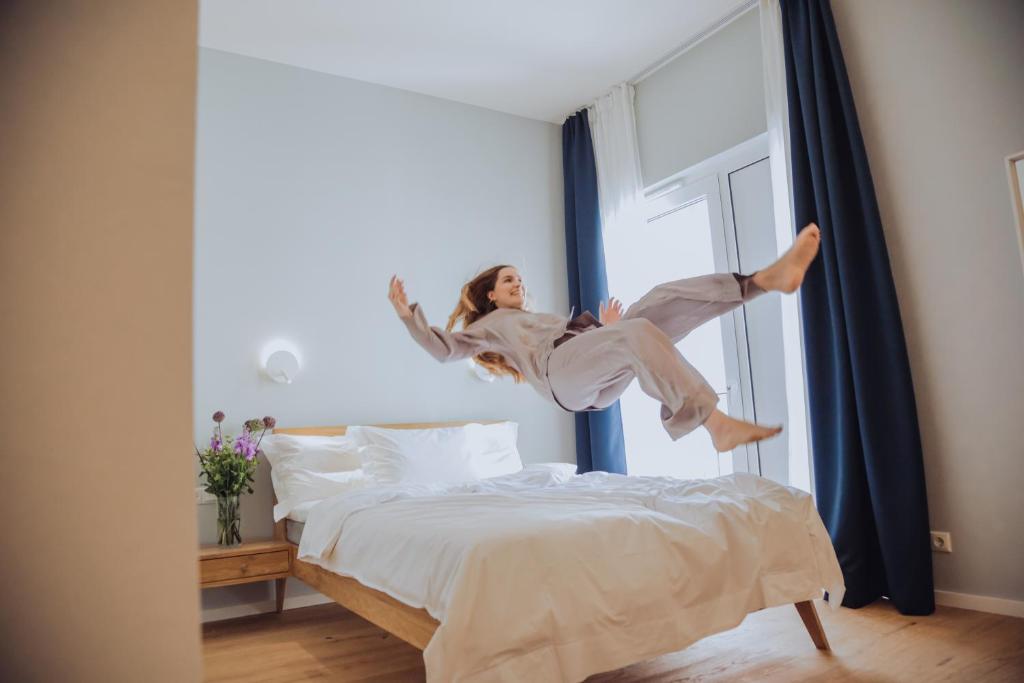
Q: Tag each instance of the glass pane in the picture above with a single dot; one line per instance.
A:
(677, 245)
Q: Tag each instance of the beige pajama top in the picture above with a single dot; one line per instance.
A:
(525, 340)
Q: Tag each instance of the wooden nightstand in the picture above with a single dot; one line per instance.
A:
(256, 561)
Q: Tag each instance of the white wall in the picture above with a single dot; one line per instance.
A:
(311, 190)
(940, 95)
(708, 100)
(98, 553)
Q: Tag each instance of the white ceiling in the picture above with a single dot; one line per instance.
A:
(541, 59)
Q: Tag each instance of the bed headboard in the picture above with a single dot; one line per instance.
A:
(339, 430)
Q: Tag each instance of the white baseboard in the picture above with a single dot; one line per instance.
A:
(262, 607)
(980, 603)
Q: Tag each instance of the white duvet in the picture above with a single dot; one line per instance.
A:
(544, 576)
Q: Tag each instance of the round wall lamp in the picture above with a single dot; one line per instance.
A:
(280, 361)
(480, 372)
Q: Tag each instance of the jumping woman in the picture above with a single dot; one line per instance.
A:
(586, 363)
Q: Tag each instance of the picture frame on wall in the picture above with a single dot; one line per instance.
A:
(1015, 170)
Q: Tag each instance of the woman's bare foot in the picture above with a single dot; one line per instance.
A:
(786, 274)
(727, 433)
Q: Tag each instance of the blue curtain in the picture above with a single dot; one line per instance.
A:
(868, 470)
(599, 441)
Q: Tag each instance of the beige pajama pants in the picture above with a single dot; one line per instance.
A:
(591, 371)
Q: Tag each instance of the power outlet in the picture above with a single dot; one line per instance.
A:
(942, 542)
(203, 498)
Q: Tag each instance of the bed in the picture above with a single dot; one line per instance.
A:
(539, 575)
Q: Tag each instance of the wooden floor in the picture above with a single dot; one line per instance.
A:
(874, 643)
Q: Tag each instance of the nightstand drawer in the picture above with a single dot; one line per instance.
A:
(243, 566)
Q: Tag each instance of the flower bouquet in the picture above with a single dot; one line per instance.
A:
(228, 466)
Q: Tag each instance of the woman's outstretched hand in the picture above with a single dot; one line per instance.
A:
(396, 294)
(610, 313)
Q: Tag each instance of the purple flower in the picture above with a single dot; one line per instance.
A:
(244, 445)
(218, 417)
(215, 442)
(269, 422)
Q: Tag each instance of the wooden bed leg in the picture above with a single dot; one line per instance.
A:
(279, 593)
(813, 624)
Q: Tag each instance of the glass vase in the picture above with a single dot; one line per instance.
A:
(228, 519)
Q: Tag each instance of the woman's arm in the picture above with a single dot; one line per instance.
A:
(442, 345)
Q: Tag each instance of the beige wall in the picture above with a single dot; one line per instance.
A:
(940, 95)
(98, 548)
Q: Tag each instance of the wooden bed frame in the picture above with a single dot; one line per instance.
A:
(416, 626)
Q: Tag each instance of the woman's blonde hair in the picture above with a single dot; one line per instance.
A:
(473, 305)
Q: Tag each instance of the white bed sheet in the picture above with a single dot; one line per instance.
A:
(537, 576)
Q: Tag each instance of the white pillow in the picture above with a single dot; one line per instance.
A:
(439, 454)
(313, 453)
(305, 486)
(289, 454)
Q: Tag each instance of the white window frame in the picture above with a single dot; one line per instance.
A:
(710, 178)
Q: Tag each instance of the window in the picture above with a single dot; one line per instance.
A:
(675, 243)
(716, 217)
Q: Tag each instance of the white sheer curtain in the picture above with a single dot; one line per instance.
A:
(777, 109)
(619, 184)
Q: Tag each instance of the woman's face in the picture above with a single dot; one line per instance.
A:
(509, 290)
